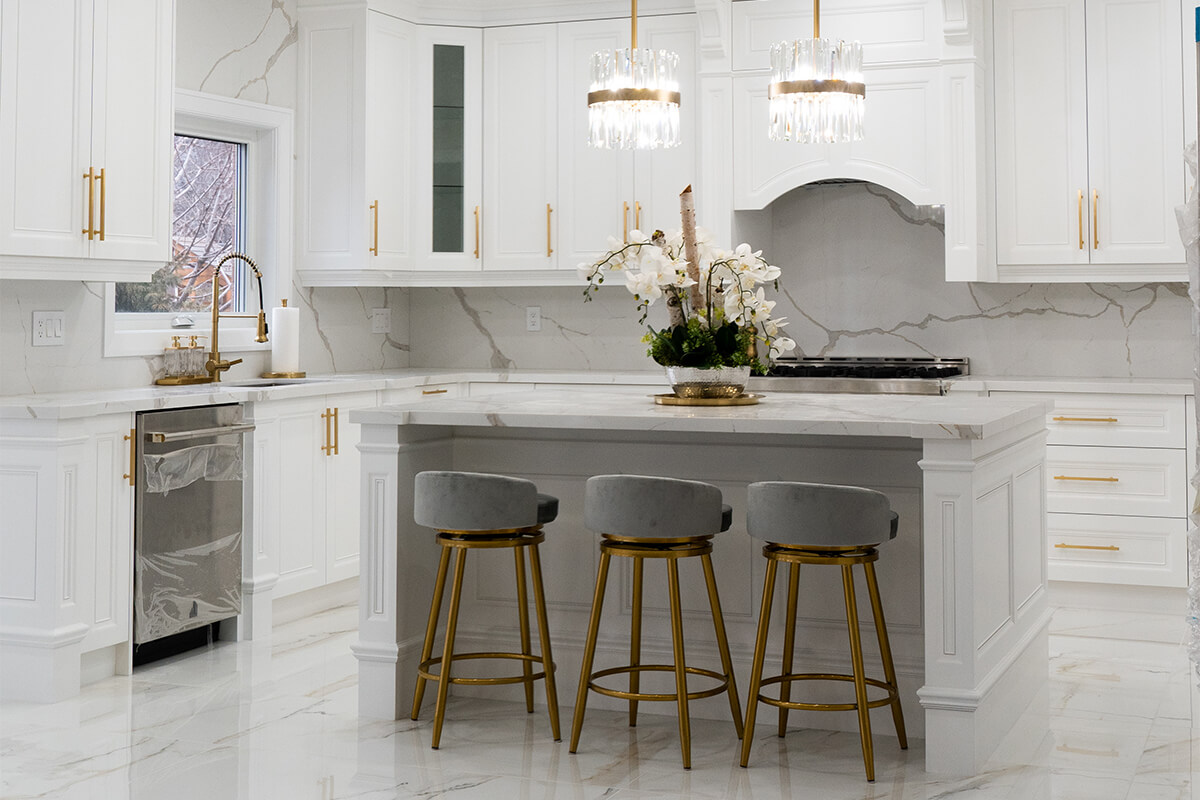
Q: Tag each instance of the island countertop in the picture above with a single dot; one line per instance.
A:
(910, 416)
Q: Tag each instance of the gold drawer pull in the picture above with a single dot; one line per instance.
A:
(434, 391)
(132, 439)
(1085, 419)
(1081, 478)
(374, 248)
(1064, 546)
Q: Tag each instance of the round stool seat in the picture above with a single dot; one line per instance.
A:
(648, 507)
(476, 501)
(817, 515)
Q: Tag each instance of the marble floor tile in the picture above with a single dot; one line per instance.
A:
(1117, 721)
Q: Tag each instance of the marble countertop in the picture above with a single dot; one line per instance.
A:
(74, 405)
(919, 417)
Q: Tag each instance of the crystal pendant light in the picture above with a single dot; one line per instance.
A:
(633, 100)
(817, 92)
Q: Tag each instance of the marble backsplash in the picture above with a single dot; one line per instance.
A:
(862, 275)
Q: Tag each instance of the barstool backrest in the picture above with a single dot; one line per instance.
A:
(651, 507)
(473, 501)
(817, 514)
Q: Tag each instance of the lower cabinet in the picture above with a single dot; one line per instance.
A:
(306, 495)
(1117, 493)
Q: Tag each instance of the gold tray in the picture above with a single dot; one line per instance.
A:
(740, 400)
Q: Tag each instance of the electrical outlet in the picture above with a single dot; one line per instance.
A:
(533, 318)
(381, 320)
(49, 328)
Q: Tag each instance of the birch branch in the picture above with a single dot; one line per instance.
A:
(687, 214)
(674, 296)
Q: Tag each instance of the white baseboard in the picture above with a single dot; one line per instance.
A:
(1114, 597)
(313, 601)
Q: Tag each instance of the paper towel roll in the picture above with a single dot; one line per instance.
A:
(285, 339)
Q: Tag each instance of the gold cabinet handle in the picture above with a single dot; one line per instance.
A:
(1079, 478)
(1085, 419)
(1096, 219)
(434, 391)
(637, 214)
(1065, 546)
(102, 206)
(625, 223)
(549, 249)
(477, 231)
(336, 429)
(132, 439)
(89, 182)
(327, 448)
(374, 248)
(1081, 219)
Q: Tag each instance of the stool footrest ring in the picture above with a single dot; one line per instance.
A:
(892, 693)
(423, 669)
(722, 687)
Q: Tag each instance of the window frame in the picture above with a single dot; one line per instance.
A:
(267, 132)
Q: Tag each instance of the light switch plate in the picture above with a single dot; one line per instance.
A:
(49, 328)
(381, 320)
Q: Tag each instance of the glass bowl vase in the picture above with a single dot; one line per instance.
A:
(708, 382)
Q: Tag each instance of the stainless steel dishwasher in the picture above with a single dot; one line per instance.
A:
(187, 520)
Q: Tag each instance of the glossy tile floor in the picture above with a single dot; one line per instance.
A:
(1119, 722)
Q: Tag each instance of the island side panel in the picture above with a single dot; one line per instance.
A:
(986, 611)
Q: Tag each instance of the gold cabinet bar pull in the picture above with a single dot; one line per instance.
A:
(477, 231)
(1081, 219)
(549, 249)
(132, 439)
(102, 205)
(335, 431)
(1065, 546)
(625, 223)
(89, 179)
(1085, 419)
(1095, 219)
(637, 214)
(434, 391)
(327, 447)
(1080, 478)
(374, 248)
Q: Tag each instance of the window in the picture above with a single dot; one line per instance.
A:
(232, 174)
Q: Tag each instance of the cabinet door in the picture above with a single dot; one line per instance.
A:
(1135, 131)
(595, 188)
(301, 510)
(449, 148)
(1041, 133)
(45, 122)
(133, 123)
(391, 51)
(343, 481)
(520, 124)
(107, 504)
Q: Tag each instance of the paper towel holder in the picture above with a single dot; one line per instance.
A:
(284, 375)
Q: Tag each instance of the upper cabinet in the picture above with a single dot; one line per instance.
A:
(355, 146)
(86, 127)
(1089, 139)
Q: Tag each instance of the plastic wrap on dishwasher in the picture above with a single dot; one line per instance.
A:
(175, 470)
(184, 589)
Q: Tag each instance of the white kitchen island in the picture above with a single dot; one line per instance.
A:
(963, 584)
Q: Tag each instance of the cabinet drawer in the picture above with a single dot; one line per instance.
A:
(1111, 420)
(1116, 480)
(1144, 551)
(428, 391)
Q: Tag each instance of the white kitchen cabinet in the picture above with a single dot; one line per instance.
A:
(86, 127)
(606, 193)
(309, 496)
(355, 142)
(1089, 140)
(66, 553)
(520, 153)
(1117, 492)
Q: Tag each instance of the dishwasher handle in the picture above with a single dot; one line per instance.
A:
(178, 436)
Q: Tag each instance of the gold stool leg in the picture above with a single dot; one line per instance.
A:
(523, 617)
(589, 651)
(789, 643)
(685, 725)
(435, 608)
(539, 602)
(722, 642)
(635, 637)
(760, 649)
(885, 652)
(860, 685)
(439, 714)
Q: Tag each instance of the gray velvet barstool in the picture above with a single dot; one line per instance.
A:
(644, 517)
(471, 510)
(809, 523)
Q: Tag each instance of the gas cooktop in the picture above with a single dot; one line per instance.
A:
(861, 375)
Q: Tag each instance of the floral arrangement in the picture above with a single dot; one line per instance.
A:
(718, 314)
